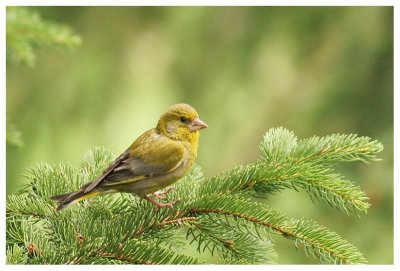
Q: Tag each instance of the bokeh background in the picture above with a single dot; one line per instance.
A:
(313, 70)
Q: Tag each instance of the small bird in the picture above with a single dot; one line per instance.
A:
(155, 160)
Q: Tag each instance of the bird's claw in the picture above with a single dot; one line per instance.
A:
(162, 205)
(169, 205)
(157, 194)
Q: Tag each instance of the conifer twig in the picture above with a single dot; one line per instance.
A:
(217, 213)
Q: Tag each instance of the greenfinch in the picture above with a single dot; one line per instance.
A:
(155, 160)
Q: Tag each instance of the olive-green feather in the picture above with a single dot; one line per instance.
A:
(155, 160)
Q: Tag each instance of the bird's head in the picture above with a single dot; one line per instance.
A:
(180, 122)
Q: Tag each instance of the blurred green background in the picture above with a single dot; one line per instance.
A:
(313, 70)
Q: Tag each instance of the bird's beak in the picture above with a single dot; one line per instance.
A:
(197, 124)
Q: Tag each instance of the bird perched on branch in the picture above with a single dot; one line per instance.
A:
(155, 160)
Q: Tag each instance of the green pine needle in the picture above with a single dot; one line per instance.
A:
(218, 214)
(25, 30)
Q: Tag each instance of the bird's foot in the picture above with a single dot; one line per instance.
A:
(162, 205)
(158, 194)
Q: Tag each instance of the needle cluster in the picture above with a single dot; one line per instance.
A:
(218, 214)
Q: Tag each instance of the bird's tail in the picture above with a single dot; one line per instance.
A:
(70, 198)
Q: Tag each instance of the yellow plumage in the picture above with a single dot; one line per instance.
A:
(88, 195)
(155, 160)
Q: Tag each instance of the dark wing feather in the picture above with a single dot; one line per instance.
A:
(153, 157)
(116, 162)
(133, 168)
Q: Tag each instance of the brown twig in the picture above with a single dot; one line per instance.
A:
(284, 231)
(179, 220)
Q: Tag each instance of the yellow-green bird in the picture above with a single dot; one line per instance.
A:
(155, 160)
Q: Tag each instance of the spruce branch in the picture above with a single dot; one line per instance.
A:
(26, 30)
(280, 145)
(16, 255)
(230, 242)
(218, 214)
(322, 243)
(287, 163)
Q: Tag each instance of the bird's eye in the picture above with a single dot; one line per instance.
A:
(183, 119)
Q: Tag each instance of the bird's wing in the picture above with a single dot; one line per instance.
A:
(148, 156)
(116, 162)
